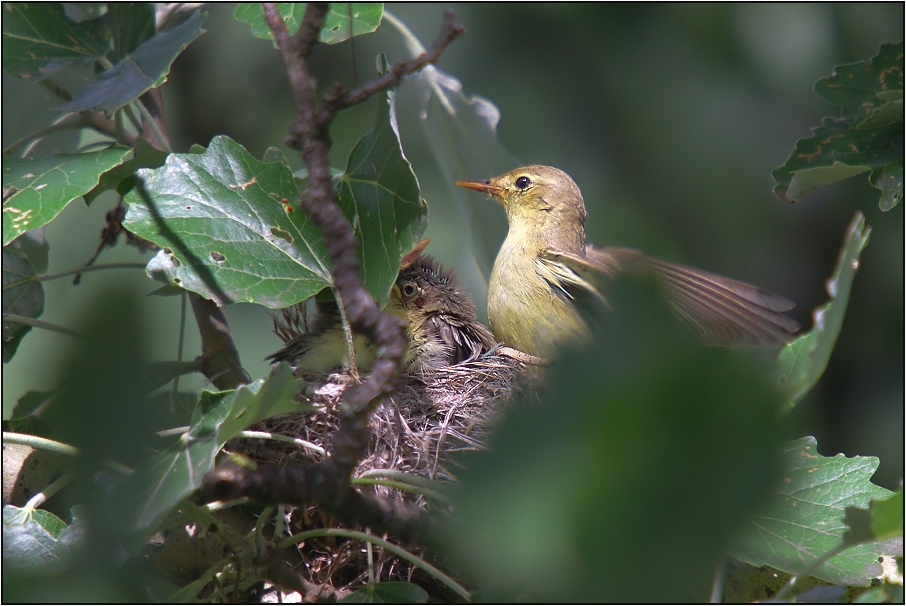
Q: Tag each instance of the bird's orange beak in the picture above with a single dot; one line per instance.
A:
(483, 186)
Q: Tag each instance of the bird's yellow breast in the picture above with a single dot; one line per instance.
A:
(525, 309)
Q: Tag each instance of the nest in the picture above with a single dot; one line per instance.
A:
(423, 429)
(420, 430)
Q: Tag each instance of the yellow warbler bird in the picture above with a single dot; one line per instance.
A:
(545, 272)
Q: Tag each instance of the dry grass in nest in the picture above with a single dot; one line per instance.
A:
(419, 430)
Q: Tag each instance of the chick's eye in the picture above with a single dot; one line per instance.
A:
(523, 182)
(408, 290)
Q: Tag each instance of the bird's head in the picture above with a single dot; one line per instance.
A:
(539, 200)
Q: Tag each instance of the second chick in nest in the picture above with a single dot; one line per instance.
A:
(442, 326)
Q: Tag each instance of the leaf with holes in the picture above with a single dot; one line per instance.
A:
(146, 67)
(805, 518)
(227, 227)
(366, 17)
(379, 194)
(802, 362)
(23, 296)
(42, 188)
(38, 40)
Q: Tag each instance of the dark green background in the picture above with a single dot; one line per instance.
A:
(669, 117)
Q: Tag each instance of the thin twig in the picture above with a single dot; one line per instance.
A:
(42, 324)
(81, 270)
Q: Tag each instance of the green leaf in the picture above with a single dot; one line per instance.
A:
(126, 25)
(802, 362)
(388, 592)
(875, 595)
(805, 519)
(379, 195)
(45, 186)
(37, 540)
(145, 156)
(643, 444)
(146, 67)
(837, 151)
(870, 93)
(34, 246)
(462, 133)
(882, 520)
(887, 516)
(223, 230)
(23, 295)
(38, 40)
(366, 17)
(173, 474)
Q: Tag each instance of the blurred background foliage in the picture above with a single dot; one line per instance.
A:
(669, 117)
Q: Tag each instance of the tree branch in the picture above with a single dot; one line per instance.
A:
(328, 483)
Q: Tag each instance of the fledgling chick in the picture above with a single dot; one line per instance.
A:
(322, 348)
(442, 325)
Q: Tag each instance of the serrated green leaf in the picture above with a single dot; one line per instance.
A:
(144, 68)
(23, 296)
(870, 93)
(145, 156)
(366, 17)
(223, 230)
(802, 362)
(890, 181)
(836, 151)
(219, 416)
(125, 25)
(388, 592)
(45, 186)
(805, 519)
(38, 40)
(379, 194)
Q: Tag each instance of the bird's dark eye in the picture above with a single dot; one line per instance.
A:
(408, 290)
(523, 182)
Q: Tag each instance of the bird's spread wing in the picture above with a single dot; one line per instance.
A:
(721, 311)
(572, 275)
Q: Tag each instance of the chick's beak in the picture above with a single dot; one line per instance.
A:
(483, 186)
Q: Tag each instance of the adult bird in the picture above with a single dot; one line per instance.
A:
(545, 274)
